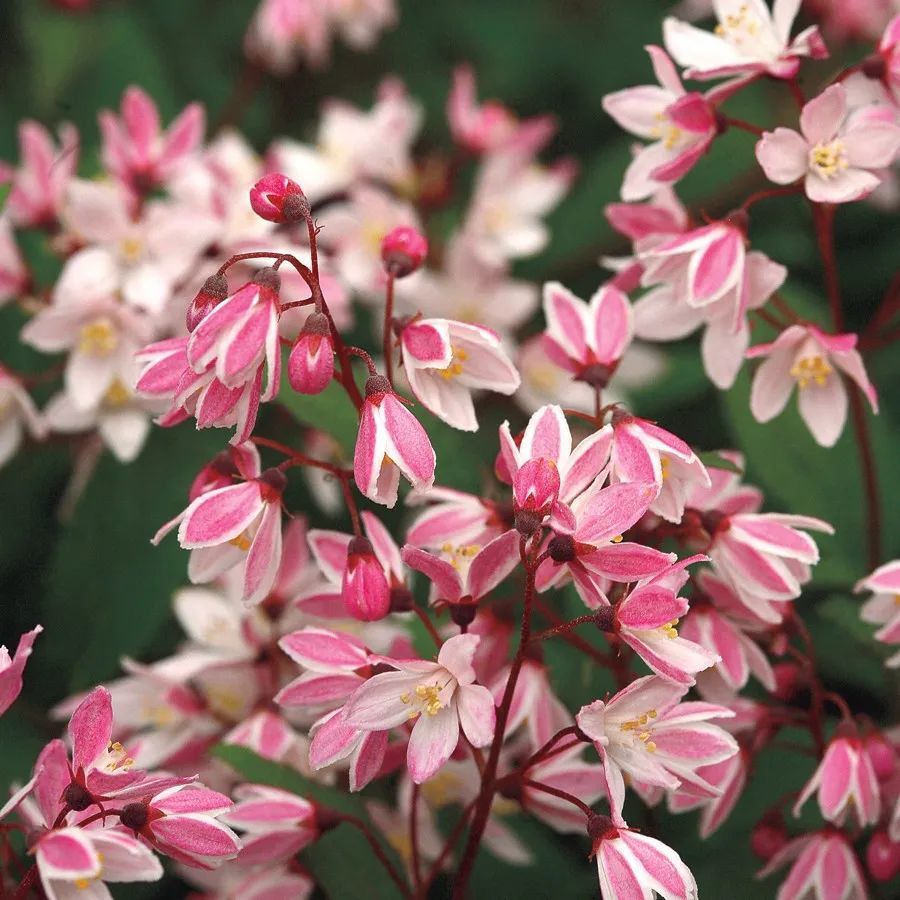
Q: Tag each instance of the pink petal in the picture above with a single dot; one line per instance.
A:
(612, 327)
(408, 444)
(368, 759)
(433, 740)
(323, 650)
(476, 714)
(220, 516)
(613, 510)
(783, 155)
(565, 317)
(493, 563)
(90, 727)
(67, 854)
(264, 556)
(821, 118)
(444, 577)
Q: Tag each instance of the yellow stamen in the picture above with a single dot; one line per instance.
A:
(670, 631)
(428, 694)
(131, 249)
(826, 160)
(455, 367)
(98, 338)
(242, 542)
(116, 395)
(618, 539)
(639, 728)
(811, 368)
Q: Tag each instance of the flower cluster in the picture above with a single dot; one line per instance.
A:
(402, 654)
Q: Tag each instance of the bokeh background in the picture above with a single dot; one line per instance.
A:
(87, 572)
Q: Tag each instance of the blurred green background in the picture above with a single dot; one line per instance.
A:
(102, 592)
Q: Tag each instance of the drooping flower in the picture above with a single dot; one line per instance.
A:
(882, 607)
(845, 783)
(441, 696)
(837, 154)
(390, 441)
(815, 362)
(681, 126)
(446, 360)
(749, 39)
(17, 414)
(587, 339)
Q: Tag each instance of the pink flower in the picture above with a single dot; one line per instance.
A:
(889, 50)
(748, 40)
(705, 278)
(390, 441)
(595, 551)
(442, 697)
(14, 275)
(765, 557)
(729, 778)
(646, 618)
(491, 127)
(824, 867)
(835, 154)
(681, 125)
(457, 518)
(632, 866)
(11, 668)
(534, 704)
(446, 360)
(137, 151)
(276, 823)
(77, 861)
(882, 608)
(39, 184)
(233, 524)
(365, 589)
(471, 571)
(647, 733)
(283, 31)
(644, 452)
(311, 363)
(814, 361)
(277, 198)
(845, 783)
(18, 414)
(181, 822)
(241, 335)
(587, 339)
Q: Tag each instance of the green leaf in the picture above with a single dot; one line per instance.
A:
(331, 412)
(109, 590)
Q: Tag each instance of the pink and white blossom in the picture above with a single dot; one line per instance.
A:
(837, 153)
(882, 607)
(11, 668)
(441, 697)
(18, 416)
(817, 364)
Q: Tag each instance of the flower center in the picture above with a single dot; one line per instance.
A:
(117, 395)
(827, 160)
(117, 758)
(459, 557)
(242, 542)
(667, 132)
(455, 368)
(809, 369)
(638, 728)
(131, 249)
(98, 338)
(736, 28)
(669, 630)
(426, 698)
(664, 465)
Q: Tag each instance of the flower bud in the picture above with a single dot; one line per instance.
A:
(881, 754)
(768, 836)
(311, 363)
(276, 198)
(213, 292)
(365, 589)
(882, 857)
(403, 251)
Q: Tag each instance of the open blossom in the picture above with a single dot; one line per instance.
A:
(390, 441)
(11, 668)
(490, 127)
(644, 452)
(646, 732)
(824, 866)
(646, 618)
(39, 184)
(729, 778)
(457, 518)
(445, 361)
(136, 149)
(587, 339)
(838, 153)
(815, 362)
(845, 783)
(229, 525)
(749, 39)
(882, 607)
(441, 696)
(17, 414)
(632, 866)
(680, 125)
(14, 275)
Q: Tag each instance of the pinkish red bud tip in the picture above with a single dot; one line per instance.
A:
(277, 198)
(403, 251)
(213, 292)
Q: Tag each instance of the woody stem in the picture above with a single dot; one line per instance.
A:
(387, 336)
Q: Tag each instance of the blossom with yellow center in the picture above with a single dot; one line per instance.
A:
(827, 160)
(809, 369)
(132, 249)
(737, 27)
(455, 367)
(117, 395)
(98, 338)
(638, 728)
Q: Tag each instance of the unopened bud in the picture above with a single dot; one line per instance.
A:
(276, 198)
(365, 589)
(882, 857)
(213, 292)
(769, 835)
(311, 363)
(403, 251)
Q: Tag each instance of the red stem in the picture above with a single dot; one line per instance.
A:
(377, 849)
(447, 850)
(27, 883)
(414, 840)
(555, 792)
(429, 627)
(769, 193)
(388, 332)
(742, 124)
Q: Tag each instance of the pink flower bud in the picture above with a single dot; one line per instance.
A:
(276, 198)
(213, 292)
(403, 251)
(768, 837)
(365, 589)
(881, 755)
(311, 363)
(882, 857)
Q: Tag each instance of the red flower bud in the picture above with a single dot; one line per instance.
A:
(213, 292)
(403, 251)
(881, 754)
(276, 198)
(311, 363)
(768, 837)
(882, 857)
(365, 589)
